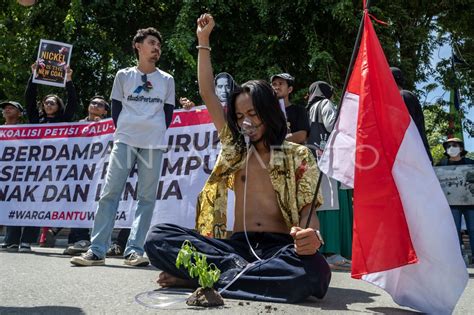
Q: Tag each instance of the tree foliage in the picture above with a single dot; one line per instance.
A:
(311, 39)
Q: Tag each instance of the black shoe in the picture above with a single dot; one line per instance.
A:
(88, 259)
(114, 250)
(9, 247)
(25, 248)
(77, 248)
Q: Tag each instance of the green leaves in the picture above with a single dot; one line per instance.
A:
(254, 39)
(197, 266)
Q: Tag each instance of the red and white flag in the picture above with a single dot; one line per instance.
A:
(405, 240)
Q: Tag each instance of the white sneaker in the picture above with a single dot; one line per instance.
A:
(134, 259)
(88, 259)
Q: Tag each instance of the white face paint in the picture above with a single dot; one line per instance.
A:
(453, 151)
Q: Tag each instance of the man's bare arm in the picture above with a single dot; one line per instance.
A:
(205, 24)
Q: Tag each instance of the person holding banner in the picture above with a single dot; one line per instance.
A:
(17, 238)
(270, 255)
(79, 238)
(97, 110)
(143, 99)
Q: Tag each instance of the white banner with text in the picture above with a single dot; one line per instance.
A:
(52, 175)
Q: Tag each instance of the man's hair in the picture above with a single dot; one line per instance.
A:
(265, 103)
(142, 34)
(100, 97)
(290, 80)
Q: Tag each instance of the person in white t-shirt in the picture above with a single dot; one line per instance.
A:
(143, 99)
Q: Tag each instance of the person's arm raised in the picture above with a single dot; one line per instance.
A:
(205, 24)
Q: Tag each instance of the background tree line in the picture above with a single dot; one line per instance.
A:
(311, 39)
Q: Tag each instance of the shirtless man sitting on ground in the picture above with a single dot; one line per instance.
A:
(274, 182)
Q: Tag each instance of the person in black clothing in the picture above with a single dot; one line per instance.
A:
(51, 109)
(456, 155)
(296, 116)
(17, 238)
(98, 109)
(414, 108)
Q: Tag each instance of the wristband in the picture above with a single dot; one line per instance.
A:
(203, 47)
(318, 235)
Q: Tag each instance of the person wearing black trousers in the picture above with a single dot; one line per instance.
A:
(17, 238)
(51, 109)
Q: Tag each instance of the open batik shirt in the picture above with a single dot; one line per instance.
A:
(293, 173)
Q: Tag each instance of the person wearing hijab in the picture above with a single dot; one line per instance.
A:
(322, 115)
(414, 108)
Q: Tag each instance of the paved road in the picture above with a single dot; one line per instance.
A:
(45, 283)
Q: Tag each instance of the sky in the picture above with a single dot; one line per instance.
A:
(445, 52)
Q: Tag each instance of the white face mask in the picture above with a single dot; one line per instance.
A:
(453, 151)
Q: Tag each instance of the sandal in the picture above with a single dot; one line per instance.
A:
(337, 262)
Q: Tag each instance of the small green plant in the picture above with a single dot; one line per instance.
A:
(196, 265)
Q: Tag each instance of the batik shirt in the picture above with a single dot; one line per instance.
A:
(293, 174)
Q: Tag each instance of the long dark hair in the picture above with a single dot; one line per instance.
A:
(268, 109)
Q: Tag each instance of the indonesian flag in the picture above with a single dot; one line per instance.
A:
(405, 240)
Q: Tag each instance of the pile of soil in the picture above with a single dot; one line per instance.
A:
(205, 297)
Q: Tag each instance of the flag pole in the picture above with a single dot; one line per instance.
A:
(346, 82)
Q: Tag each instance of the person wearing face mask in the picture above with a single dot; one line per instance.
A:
(456, 155)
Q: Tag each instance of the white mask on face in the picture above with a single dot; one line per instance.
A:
(453, 151)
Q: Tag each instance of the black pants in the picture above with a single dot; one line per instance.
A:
(81, 234)
(78, 234)
(281, 275)
(122, 237)
(21, 234)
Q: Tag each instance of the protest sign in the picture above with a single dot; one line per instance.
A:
(52, 59)
(457, 182)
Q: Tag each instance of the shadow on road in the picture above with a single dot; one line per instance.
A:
(41, 310)
(339, 299)
(56, 255)
(391, 310)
